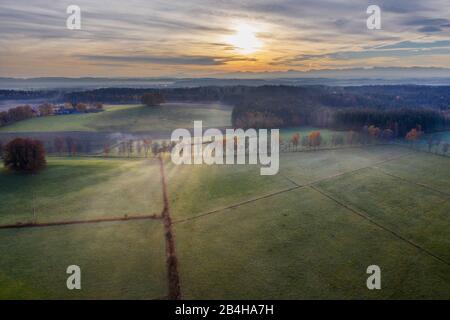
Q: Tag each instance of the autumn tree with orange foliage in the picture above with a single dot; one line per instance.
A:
(413, 135)
(314, 139)
(81, 107)
(46, 109)
(295, 139)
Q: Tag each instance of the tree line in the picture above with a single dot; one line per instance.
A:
(400, 121)
(24, 112)
(377, 97)
(16, 114)
(398, 108)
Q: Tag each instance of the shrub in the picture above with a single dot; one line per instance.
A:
(24, 155)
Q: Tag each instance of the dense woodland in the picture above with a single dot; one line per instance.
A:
(398, 108)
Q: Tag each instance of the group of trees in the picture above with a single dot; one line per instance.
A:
(68, 146)
(152, 99)
(24, 155)
(314, 139)
(399, 121)
(16, 114)
(414, 134)
(398, 108)
(140, 148)
(46, 109)
(311, 140)
(83, 107)
(367, 135)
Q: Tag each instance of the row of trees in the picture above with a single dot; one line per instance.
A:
(83, 107)
(374, 97)
(400, 121)
(369, 134)
(141, 148)
(16, 114)
(69, 146)
(20, 113)
(315, 140)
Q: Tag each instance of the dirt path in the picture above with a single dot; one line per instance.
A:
(69, 222)
(172, 261)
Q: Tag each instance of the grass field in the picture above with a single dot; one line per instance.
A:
(130, 118)
(309, 232)
(299, 245)
(74, 189)
(117, 261)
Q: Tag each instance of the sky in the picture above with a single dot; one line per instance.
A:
(198, 38)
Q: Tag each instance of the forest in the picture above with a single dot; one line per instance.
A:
(399, 107)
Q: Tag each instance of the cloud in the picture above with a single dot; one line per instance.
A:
(403, 6)
(428, 29)
(166, 60)
(428, 25)
(383, 52)
(416, 45)
(190, 34)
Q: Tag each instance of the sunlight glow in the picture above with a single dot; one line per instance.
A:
(245, 40)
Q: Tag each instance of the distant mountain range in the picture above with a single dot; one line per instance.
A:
(376, 72)
(335, 77)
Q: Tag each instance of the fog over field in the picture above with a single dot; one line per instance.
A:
(225, 150)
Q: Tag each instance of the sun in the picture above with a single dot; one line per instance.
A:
(245, 40)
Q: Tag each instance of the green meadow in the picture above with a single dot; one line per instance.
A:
(117, 261)
(130, 118)
(309, 232)
(79, 189)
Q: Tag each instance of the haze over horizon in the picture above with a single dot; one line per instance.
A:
(199, 38)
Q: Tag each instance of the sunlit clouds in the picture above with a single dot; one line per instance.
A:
(191, 38)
